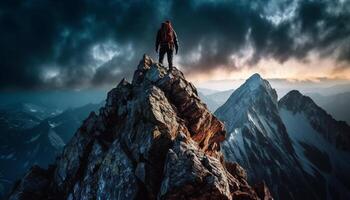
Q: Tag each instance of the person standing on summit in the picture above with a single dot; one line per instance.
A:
(166, 42)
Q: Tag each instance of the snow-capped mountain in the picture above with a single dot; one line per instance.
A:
(322, 144)
(260, 140)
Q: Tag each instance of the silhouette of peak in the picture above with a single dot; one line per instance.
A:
(295, 94)
(254, 86)
(254, 77)
(294, 100)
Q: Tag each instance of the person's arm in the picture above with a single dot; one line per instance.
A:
(157, 41)
(176, 42)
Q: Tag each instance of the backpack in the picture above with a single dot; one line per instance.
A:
(167, 33)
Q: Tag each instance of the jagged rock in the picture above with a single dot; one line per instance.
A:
(189, 173)
(262, 191)
(154, 138)
(236, 170)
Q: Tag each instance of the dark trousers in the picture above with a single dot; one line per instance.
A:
(166, 49)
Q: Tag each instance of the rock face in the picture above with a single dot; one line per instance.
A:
(153, 139)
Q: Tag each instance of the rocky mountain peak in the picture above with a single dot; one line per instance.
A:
(255, 78)
(256, 82)
(336, 132)
(250, 96)
(254, 87)
(296, 101)
(153, 139)
(180, 96)
(294, 93)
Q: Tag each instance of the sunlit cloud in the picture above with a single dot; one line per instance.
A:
(277, 15)
(311, 68)
(103, 52)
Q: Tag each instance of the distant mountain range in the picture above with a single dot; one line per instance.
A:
(23, 115)
(212, 105)
(215, 98)
(335, 100)
(32, 134)
(293, 144)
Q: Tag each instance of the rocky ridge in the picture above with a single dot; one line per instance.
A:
(336, 132)
(153, 139)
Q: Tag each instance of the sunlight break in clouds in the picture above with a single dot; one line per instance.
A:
(312, 68)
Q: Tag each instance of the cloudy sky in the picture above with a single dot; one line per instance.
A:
(92, 43)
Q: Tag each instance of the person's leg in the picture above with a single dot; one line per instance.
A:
(162, 52)
(170, 52)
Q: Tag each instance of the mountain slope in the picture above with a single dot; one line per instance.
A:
(38, 145)
(259, 141)
(322, 143)
(338, 105)
(154, 138)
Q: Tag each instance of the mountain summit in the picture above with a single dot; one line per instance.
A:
(153, 139)
(254, 92)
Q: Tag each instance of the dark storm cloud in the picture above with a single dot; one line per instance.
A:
(47, 44)
(39, 34)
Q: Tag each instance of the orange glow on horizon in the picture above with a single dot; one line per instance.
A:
(311, 69)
